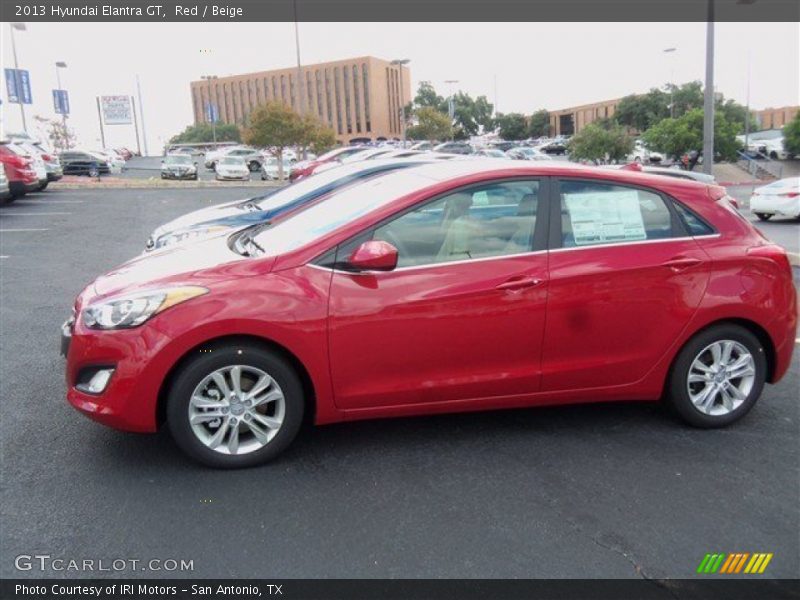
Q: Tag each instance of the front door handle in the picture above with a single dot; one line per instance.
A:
(520, 283)
(681, 263)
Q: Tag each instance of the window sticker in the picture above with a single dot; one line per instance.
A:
(603, 217)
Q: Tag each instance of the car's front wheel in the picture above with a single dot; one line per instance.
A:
(763, 216)
(236, 405)
(718, 376)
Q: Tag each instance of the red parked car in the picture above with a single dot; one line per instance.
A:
(22, 177)
(457, 286)
(304, 169)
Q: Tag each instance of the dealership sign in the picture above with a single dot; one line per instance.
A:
(61, 102)
(117, 110)
(18, 86)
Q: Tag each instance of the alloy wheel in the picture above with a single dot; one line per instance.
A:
(236, 410)
(721, 377)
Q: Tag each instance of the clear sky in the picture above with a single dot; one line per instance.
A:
(535, 65)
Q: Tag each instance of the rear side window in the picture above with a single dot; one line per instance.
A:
(694, 224)
(600, 213)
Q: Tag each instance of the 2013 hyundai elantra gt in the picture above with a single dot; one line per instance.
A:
(447, 287)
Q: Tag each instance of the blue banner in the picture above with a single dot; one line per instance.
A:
(61, 102)
(18, 86)
(212, 114)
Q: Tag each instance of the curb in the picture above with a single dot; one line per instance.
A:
(734, 183)
(145, 184)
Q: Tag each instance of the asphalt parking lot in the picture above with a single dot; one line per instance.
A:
(601, 491)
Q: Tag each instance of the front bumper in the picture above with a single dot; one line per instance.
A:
(172, 175)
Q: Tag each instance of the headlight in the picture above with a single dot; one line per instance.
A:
(132, 310)
(186, 235)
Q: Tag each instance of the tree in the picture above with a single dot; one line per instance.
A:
(512, 126)
(427, 97)
(316, 136)
(539, 124)
(598, 142)
(674, 137)
(203, 133)
(275, 125)
(432, 125)
(791, 136)
(60, 135)
(640, 112)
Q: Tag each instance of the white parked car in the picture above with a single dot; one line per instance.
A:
(115, 161)
(232, 167)
(642, 154)
(252, 158)
(781, 198)
(269, 170)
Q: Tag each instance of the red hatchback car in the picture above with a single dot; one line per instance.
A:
(458, 286)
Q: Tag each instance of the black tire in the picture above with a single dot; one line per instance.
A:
(42, 187)
(207, 361)
(254, 166)
(677, 393)
(763, 216)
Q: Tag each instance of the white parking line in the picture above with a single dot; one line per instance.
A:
(40, 202)
(6, 256)
(41, 214)
(20, 230)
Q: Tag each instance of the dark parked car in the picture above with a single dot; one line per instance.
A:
(83, 163)
(455, 148)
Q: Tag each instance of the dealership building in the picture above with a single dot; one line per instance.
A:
(359, 98)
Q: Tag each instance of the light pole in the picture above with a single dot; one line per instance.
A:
(18, 80)
(747, 113)
(708, 97)
(60, 64)
(451, 104)
(301, 104)
(671, 51)
(211, 112)
(400, 62)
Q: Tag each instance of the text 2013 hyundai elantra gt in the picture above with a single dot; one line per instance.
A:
(447, 287)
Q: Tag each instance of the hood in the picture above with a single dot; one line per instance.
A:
(202, 262)
(228, 212)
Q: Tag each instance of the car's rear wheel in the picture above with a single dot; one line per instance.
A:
(254, 166)
(42, 187)
(718, 376)
(763, 216)
(234, 406)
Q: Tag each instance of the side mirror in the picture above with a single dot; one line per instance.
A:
(374, 255)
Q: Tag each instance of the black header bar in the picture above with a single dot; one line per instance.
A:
(400, 10)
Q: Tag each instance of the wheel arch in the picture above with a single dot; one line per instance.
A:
(309, 391)
(757, 330)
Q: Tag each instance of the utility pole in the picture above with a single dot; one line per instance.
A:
(400, 63)
(141, 114)
(747, 114)
(451, 104)
(671, 51)
(708, 99)
(61, 65)
(17, 78)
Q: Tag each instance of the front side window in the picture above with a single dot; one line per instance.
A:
(600, 213)
(484, 221)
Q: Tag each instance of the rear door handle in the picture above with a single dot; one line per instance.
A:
(681, 263)
(520, 283)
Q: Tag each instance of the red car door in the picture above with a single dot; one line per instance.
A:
(624, 283)
(461, 317)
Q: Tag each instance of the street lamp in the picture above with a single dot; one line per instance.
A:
(400, 62)
(671, 51)
(451, 104)
(18, 27)
(211, 111)
(708, 98)
(60, 64)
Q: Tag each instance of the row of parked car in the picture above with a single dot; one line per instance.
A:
(379, 285)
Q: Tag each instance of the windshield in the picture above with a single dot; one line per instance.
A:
(236, 161)
(177, 160)
(337, 210)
